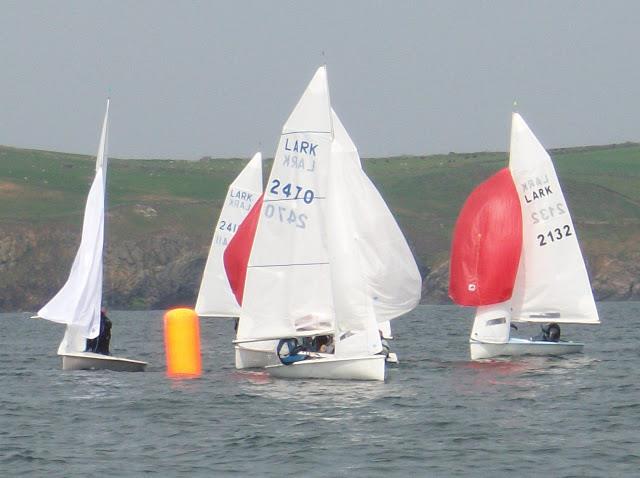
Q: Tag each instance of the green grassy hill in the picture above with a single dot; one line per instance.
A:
(47, 190)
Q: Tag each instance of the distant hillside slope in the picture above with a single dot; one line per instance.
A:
(161, 217)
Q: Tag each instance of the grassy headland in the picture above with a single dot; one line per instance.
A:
(47, 190)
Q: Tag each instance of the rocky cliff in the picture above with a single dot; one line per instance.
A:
(152, 272)
(164, 269)
(612, 278)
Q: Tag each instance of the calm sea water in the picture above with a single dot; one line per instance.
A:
(438, 414)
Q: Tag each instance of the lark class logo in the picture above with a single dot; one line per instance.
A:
(536, 188)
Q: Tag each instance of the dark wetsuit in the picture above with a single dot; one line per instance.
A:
(100, 344)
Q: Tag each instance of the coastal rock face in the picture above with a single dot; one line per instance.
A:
(435, 286)
(611, 279)
(615, 279)
(155, 272)
(164, 269)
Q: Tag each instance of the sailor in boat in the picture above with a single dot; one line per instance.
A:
(323, 344)
(291, 351)
(100, 344)
(549, 333)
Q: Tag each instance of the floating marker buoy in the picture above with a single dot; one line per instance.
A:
(182, 343)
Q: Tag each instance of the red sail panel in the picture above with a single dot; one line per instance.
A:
(487, 242)
(236, 255)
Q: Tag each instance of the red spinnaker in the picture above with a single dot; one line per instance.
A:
(487, 242)
(236, 255)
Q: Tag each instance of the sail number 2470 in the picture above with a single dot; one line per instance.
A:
(285, 215)
(554, 235)
(277, 188)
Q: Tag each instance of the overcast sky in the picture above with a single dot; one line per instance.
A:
(189, 79)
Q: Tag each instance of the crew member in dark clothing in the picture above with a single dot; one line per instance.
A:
(100, 344)
(549, 333)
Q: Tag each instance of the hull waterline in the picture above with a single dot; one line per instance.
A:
(353, 368)
(93, 361)
(517, 347)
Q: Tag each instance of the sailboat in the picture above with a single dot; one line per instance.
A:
(215, 297)
(515, 256)
(78, 303)
(321, 254)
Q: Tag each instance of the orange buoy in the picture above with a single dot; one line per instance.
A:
(182, 343)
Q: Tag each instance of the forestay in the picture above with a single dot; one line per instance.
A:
(287, 291)
(215, 298)
(77, 304)
(552, 283)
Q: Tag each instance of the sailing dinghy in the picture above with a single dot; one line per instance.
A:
(215, 298)
(78, 303)
(321, 255)
(515, 256)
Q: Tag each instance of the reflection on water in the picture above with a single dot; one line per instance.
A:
(437, 414)
(91, 385)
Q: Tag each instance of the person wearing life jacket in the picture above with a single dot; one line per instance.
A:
(288, 351)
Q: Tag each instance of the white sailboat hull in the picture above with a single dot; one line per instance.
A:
(352, 368)
(516, 347)
(93, 361)
(247, 357)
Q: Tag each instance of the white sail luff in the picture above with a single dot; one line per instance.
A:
(287, 288)
(552, 284)
(77, 304)
(215, 297)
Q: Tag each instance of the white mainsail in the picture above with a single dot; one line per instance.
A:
(215, 298)
(552, 284)
(77, 304)
(288, 286)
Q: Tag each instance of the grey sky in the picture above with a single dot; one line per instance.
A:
(189, 79)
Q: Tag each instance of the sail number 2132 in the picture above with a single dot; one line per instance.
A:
(554, 235)
(291, 192)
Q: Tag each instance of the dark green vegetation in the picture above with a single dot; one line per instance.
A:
(151, 198)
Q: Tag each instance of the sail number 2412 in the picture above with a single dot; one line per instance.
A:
(554, 235)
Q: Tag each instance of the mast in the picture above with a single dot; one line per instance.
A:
(78, 302)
